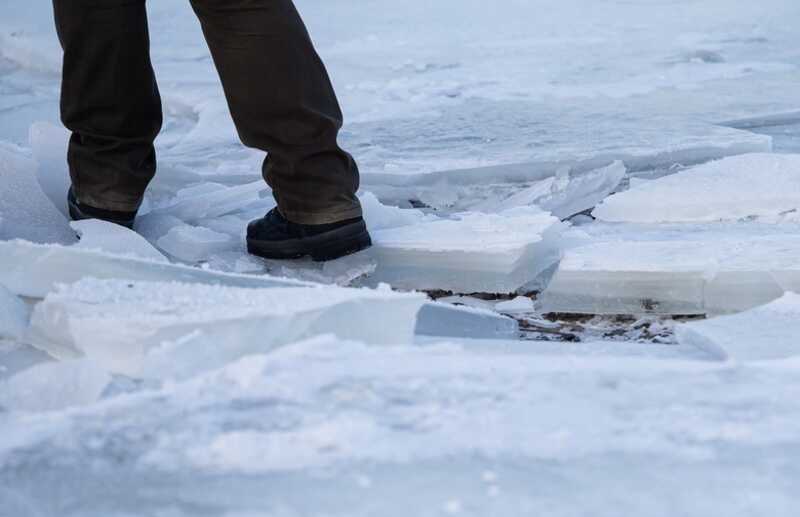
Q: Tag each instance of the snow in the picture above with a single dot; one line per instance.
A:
(740, 187)
(153, 329)
(472, 252)
(700, 269)
(767, 332)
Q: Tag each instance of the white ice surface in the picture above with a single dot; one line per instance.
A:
(166, 330)
(472, 252)
(676, 269)
(740, 187)
(49, 145)
(771, 331)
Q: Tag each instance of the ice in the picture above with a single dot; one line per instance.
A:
(14, 315)
(473, 252)
(444, 320)
(25, 212)
(565, 193)
(167, 330)
(54, 385)
(520, 304)
(114, 239)
(49, 144)
(215, 203)
(740, 187)
(770, 331)
(34, 270)
(677, 269)
(194, 243)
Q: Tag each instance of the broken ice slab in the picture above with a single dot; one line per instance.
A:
(215, 203)
(166, 330)
(563, 194)
(473, 252)
(771, 331)
(49, 143)
(25, 212)
(734, 188)
(445, 320)
(52, 385)
(113, 238)
(195, 243)
(676, 269)
(33, 270)
(14, 315)
(433, 159)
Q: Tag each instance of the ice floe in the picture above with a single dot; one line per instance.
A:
(770, 331)
(739, 187)
(154, 329)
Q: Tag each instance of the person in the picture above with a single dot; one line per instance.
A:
(279, 94)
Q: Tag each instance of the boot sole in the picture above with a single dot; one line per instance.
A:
(323, 247)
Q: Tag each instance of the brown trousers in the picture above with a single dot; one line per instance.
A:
(277, 88)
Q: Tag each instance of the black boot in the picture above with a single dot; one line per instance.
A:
(79, 211)
(274, 237)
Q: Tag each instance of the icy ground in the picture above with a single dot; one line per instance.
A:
(602, 196)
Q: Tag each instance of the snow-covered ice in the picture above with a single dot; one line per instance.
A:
(473, 252)
(740, 187)
(771, 331)
(151, 329)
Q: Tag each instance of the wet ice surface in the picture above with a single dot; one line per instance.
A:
(630, 419)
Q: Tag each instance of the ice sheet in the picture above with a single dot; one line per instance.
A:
(740, 187)
(166, 330)
(195, 243)
(473, 252)
(676, 269)
(771, 331)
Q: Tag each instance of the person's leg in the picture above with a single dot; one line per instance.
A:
(109, 100)
(282, 101)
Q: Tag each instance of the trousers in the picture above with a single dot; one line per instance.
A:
(277, 89)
